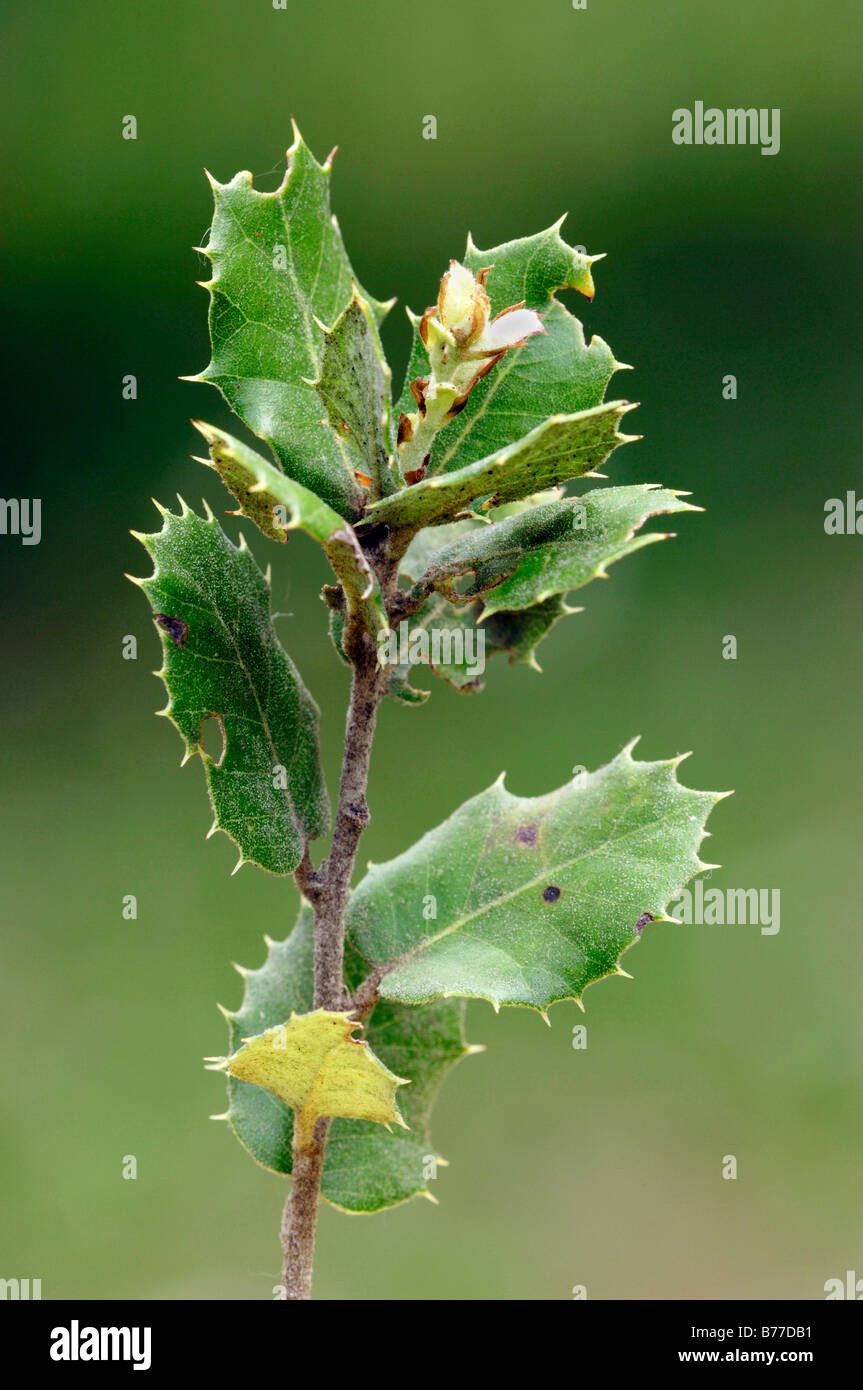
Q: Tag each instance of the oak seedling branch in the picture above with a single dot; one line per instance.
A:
(447, 508)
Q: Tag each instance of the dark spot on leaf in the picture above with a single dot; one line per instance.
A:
(642, 922)
(176, 629)
(551, 893)
(526, 835)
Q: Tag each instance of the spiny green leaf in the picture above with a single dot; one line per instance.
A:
(399, 686)
(315, 1065)
(354, 386)
(531, 557)
(535, 897)
(367, 1168)
(437, 636)
(561, 448)
(553, 373)
(532, 268)
(437, 612)
(279, 269)
(277, 505)
(222, 660)
(518, 634)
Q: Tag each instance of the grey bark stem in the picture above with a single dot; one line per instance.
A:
(352, 817)
(300, 1216)
(328, 889)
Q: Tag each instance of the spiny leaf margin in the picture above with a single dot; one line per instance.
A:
(555, 372)
(198, 569)
(495, 850)
(265, 332)
(313, 1063)
(259, 488)
(367, 1169)
(563, 447)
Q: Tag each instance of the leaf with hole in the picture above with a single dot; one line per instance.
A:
(222, 660)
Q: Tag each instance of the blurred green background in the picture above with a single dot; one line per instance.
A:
(600, 1167)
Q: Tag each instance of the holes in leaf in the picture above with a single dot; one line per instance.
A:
(214, 740)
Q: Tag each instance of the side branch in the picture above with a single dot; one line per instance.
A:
(367, 993)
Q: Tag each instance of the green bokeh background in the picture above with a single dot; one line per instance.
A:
(600, 1167)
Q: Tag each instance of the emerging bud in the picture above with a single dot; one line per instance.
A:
(463, 305)
(464, 343)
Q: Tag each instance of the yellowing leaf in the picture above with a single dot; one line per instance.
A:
(315, 1066)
